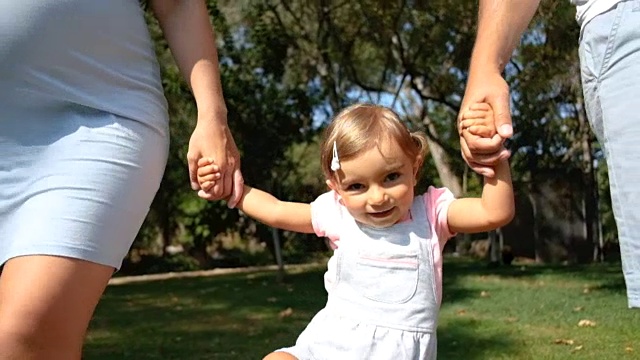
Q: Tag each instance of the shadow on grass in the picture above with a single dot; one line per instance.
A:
(464, 339)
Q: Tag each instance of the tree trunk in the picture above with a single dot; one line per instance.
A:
(275, 235)
(537, 246)
(199, 252)
(494, 248)
(441, 159)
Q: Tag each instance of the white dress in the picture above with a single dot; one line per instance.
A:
(383, 298)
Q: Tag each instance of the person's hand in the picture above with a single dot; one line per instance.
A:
(478, 121)
(208, 174)
(479, 152)
(212, 139)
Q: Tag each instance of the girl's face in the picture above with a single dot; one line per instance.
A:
(376, 186)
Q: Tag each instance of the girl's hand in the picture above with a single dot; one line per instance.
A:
(482, 153)
(478, 121)
(212, 139)
(208, 174)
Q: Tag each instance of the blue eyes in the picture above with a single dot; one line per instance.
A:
(388, 179)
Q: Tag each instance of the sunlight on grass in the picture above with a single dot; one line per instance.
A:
(528, 312)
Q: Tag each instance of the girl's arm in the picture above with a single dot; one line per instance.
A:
(259, 204)
(267, 209)
(494, 209)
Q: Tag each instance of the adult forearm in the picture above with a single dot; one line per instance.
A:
(186, 27)
(500, 27)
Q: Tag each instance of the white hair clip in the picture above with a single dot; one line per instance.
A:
(335, 161)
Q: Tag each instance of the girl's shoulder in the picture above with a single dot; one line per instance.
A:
(435, 194)
(326, 215)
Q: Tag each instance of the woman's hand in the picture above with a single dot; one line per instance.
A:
(212, 139)
(187, 28)
(483, 153)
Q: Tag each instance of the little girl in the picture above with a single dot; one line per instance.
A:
(384, 280)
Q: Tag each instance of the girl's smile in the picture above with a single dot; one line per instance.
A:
(376, 186)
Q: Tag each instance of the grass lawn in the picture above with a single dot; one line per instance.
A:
(521, 312)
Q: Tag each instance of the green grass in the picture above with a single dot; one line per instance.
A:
(504, 313)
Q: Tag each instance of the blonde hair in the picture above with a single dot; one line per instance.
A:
(360, 127)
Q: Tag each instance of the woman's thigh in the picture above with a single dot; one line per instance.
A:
(46, 303)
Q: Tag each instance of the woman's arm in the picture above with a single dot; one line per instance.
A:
(186, 26)
(267, 209)
(500, 27)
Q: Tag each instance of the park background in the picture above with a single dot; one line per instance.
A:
(548, 285)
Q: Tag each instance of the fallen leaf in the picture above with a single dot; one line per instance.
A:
(563, 341)
(577, 348)
(628, 349)
(586, 323)
(578, 308)
(586, 290)
(256, 317)
(286, 313)
(484, 294)
(461, 312)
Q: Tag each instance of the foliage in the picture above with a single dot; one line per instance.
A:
(380, 52)
(153, 264)
(288, 65)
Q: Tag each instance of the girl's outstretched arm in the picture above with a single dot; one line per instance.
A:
(496, 206)
(267, 209)
(494, 209)
(259, 204)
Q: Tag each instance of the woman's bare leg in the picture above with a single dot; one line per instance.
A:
(280, 355)
(46, 303)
